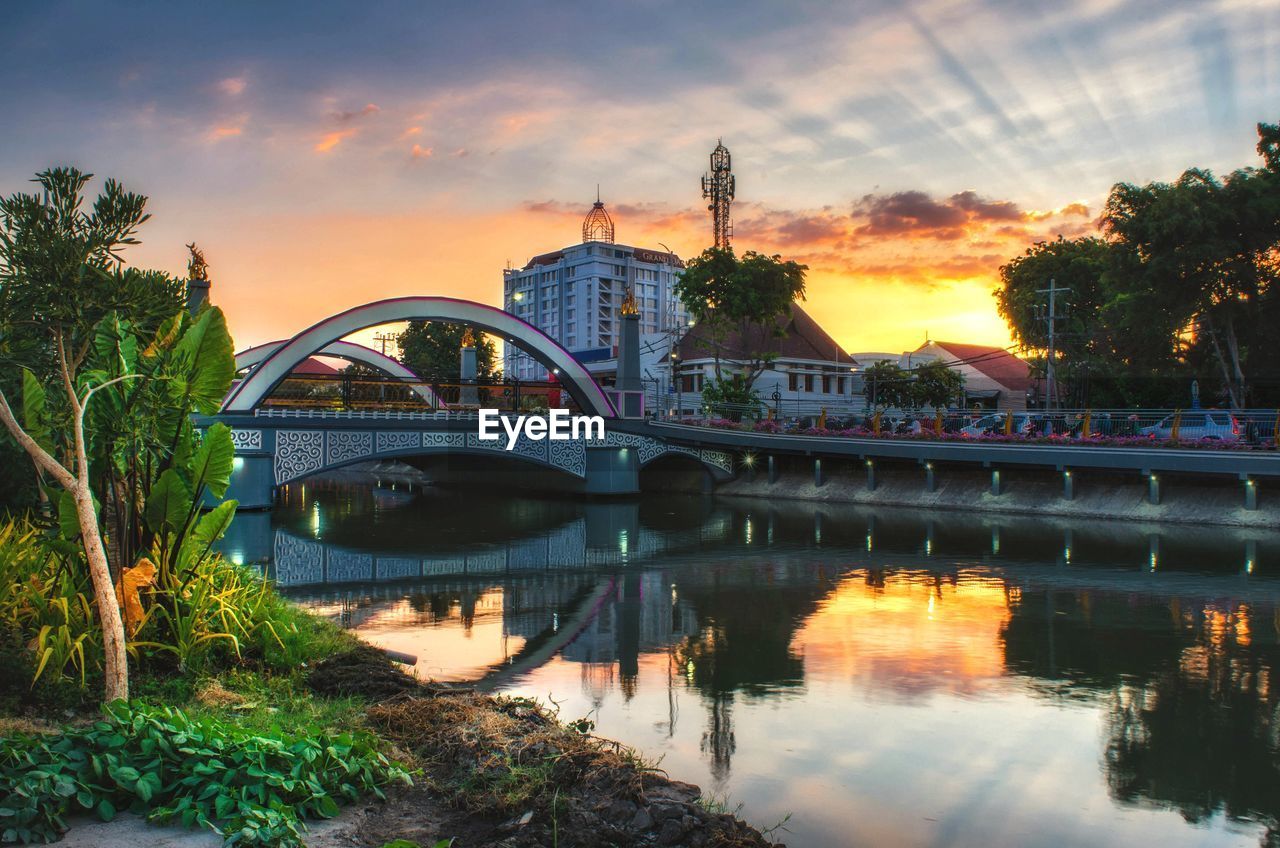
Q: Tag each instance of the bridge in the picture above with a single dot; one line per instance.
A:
(276, 446)
(279, 443)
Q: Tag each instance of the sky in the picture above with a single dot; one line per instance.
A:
(326, 154)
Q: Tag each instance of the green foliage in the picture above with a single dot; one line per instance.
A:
(731, 398)
(159, 762)
(431, 349)
(45, 609)
(1183, 287)
(738, 306)
(936, 385)
(888, 386)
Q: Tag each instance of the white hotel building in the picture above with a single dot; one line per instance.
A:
(574, 294)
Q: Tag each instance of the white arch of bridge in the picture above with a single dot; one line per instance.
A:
(275, 366)
(351, 352)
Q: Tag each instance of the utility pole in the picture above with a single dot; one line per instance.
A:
(1049, 314)
(383, 338)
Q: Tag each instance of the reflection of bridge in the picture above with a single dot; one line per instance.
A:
(276, 446)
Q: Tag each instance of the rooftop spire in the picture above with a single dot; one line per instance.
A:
(597, 226)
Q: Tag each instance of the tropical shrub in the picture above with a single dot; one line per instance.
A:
(160, 763)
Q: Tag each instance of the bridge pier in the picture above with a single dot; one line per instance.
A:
(871, 475)
(253, 483)
(773, 470)
(1250, 492)
(818, 477)
(1153, 488)
(613, 471)
(1068, 485)
(997, 484)
(930, 482)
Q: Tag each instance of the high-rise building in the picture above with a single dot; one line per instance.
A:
(574, 294)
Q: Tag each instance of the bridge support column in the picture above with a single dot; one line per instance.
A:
(773, 470)
(871, 475)
(1153, 488)
(818, 477)
(613, 471)
(1068, 485)
(1250, 493)
(997, 483)
(253, 482)
(930, 482)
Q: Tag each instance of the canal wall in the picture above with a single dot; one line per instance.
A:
(1079, 494)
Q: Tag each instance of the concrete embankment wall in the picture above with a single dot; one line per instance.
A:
(1196, 499)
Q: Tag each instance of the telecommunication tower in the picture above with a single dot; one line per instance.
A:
(718, 186)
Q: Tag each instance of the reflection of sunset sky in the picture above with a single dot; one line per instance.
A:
(445, 649)
(902, 152)
(912, 636)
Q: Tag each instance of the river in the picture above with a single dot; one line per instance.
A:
(881, 677)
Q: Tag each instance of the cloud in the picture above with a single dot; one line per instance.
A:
(233, 86)
(918, 213)
(219, 133)
(345, 117)
(331, 140)
(411, 132)
(911, 211)
(420, 152)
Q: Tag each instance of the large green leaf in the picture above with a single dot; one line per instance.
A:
(213, 460)
(68, 518)
(35, 412)
(169, 503)
(208, 359)
(213, 524)
(115, 347)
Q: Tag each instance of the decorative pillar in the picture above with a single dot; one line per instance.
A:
(628, 377)
(468, 395)
(197, 279)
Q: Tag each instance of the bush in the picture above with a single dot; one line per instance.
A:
(207, 617)
(157, 762)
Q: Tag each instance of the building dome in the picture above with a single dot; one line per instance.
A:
(597, 226)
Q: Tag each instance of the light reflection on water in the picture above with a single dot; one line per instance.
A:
(888, 678)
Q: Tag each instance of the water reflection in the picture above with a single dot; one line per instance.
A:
(890, 678)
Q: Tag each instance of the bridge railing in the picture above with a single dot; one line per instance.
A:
(1219, 428)
(350, 392)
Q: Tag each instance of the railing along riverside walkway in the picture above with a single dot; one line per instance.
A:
(759, 450)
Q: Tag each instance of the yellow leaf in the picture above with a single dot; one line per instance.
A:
(132, 581)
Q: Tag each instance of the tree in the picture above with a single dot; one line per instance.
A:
(936, 385)
(110, 366)
(430, 349)
(887, 386)
(1183, 287)
(731, 398)
(737, 305)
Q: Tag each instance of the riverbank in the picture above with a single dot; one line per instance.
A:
(1088, 495)
(487, 771)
